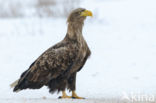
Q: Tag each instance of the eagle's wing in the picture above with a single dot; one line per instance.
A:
(52, 63)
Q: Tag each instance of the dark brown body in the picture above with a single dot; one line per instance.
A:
(57, 67)
(68, 79)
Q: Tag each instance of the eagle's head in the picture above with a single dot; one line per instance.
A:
(79, 15)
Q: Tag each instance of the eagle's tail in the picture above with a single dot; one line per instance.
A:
(14, 84)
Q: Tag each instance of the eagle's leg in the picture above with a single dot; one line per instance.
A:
(64, 95)
(63, 83)
(72, 86)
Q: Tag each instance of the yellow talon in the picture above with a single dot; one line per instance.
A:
(74, 96)
(64, 95)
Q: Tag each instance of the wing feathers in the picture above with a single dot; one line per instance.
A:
(52, 63)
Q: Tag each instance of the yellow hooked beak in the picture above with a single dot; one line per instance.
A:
(86, 13)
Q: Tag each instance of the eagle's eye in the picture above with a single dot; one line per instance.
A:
(82, 10)
(79, 12)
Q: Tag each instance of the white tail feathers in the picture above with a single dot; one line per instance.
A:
(14, 84)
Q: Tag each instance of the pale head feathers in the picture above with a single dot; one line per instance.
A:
(75, 22)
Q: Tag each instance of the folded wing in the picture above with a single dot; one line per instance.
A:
(51, 64)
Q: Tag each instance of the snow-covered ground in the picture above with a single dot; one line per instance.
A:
(121, 36)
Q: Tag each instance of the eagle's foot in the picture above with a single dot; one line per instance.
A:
(64, 95)
(74, 96)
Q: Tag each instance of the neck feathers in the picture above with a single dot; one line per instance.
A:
(74, 30)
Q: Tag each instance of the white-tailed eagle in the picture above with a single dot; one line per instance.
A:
(57, 67)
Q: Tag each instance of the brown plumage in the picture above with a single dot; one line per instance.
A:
(57, 67)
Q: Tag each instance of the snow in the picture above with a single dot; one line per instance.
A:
(121, 36)
(40, 100)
